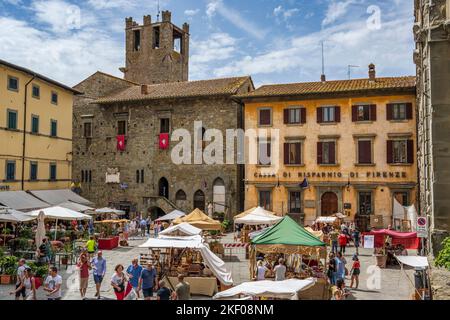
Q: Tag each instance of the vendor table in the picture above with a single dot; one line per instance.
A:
(108, 243)
(199, 285)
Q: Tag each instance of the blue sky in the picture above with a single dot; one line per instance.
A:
(274, 41)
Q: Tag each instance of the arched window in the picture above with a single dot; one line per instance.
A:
(180, 195)
(219, 199)
(199, 200)
(163, 188)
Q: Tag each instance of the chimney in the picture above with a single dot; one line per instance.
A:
(372, 72)
(144, 89)
(323, 78)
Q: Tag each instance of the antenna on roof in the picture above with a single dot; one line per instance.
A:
(323, 78)
(159, 13)
(349, 72)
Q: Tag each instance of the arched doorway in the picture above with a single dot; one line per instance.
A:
(219, 195)
(199, 200)
(155, 213)
(163, 188)
(329, 204)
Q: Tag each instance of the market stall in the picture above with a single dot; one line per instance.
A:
(188, 255)
(407, 239)
(183, 229)
(292, 242)
(172, 216)
(285, 290)
(111, 233)
(252, 218)
(200, 220)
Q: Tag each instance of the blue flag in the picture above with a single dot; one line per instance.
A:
(304, 184)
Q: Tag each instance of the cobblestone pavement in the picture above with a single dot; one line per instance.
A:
(392, 284)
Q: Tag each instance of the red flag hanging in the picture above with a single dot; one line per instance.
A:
(164, 141)
(121, 143)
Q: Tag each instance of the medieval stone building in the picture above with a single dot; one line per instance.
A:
(432, 58)
(122, 128)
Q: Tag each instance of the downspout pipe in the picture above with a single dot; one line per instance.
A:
(25, 104)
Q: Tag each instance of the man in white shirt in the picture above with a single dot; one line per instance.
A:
(53, 285)
(280, 270)
(20, 275)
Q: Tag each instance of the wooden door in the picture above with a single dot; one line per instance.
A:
(329, 204)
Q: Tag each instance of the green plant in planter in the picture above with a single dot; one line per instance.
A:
(26, 232)
(443, 258)
(41, 272)
(8, 265)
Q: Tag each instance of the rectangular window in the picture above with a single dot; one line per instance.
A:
(364, 151)
(53, 172)
(12, 120)
(265, 117)
(33, 171)
(54, 98)
(122, 128)
(87, 129)
(330, 114)
(165, 125)
(13, 83)
(156, 36)
(292, 153)
(36, 93)
(399, 151)
(365, 203)
(10, 170)
(137, 40)
(400, 111)
(295, 202)
(34, 124)
(142, 176)
(53, 128)
(265, 199)
(364, 113)
(264, 155)
(138, 177)
(294, 116)
(326, 152)
(402, 198)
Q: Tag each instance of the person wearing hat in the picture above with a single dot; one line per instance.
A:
(355, 271)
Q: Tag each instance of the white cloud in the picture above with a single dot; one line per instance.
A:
(13, 2)
(111, 4)
(235, 17)
(336, 10)
(191, 12)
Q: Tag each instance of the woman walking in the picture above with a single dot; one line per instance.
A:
(118, 281)
(28, 284)
(331, 273)
(355, 271)
(84, 266)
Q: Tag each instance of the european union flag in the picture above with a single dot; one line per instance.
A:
(304, 184)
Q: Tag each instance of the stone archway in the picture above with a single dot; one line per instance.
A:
(329, 204)
(163, 187)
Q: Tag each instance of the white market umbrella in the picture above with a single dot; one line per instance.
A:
(13, 216)
(59, 213)
(172, 216)
(40, 231)
(258, 216)
(110, 210)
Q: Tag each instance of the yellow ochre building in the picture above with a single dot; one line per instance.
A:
(35, 130)
(351, 142)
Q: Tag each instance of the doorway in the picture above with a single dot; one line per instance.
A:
(329, 204)
(199, 200)
(164, 188)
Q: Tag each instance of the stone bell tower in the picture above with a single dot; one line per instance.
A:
(156, 52)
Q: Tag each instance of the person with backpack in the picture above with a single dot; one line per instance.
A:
(28, 284)
(53, 285)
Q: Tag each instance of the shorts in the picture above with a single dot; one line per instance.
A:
(21, 292)
(356, 272)
(84, 283)
(148, 292)
(98, 279)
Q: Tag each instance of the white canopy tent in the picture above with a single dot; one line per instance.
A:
(326, 219)
(286, 289)
(59, 213)
(258, 216)
(14, 216)
(76, 207)
(414, 261)
(110, 211)
(183, 229)
(214, 263)
(172, 216)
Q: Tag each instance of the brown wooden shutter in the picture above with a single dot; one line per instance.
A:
(354, 113)
(264, 117)
(319, 152)
(390, 112)
(410, 151)
(286, 153)
(337, 114)
(269, 152)
(364, 152)
(286, 116)
(319, 115)
(332, 155)
(303, 115)
(373, 112)
(390, 150)
(298, 157)
(409, 111)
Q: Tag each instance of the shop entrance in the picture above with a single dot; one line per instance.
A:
(329, 204)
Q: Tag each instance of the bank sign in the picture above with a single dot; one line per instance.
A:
(337, 175)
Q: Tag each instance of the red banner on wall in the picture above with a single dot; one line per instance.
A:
(164, 141)
(121, 143)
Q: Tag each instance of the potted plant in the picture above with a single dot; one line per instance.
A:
(8, 267)
(68, 250)
(381, 257)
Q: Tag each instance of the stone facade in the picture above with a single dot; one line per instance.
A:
(99, 153)
(432, 58)
(156, 52)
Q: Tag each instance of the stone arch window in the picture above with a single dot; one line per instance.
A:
(163, 186)
(219, 195)
(180, 195)
(199, 200)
